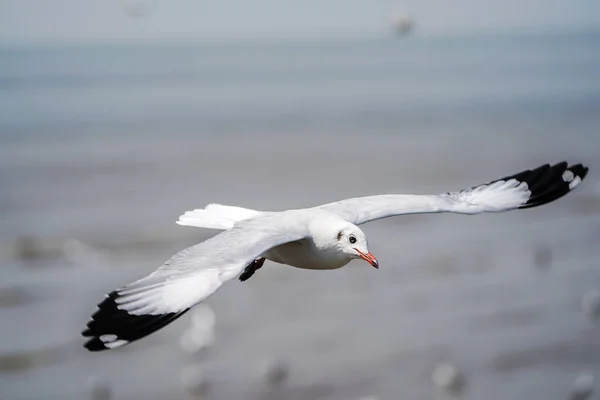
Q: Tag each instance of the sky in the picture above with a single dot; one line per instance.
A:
(149, 20)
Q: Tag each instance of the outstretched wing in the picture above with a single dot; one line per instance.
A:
(526, 189)
(189, 277)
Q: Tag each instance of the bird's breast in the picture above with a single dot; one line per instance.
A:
(304, 254)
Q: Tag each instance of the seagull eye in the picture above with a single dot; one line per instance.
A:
(352, 239)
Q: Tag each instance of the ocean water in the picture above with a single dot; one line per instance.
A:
(369, 82)
(102, 147)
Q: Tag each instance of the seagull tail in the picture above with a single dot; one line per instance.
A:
(216, 216)
(111, 327)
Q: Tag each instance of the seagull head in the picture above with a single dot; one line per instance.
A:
(353, 243)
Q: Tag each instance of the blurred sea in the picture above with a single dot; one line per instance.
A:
(102, 147)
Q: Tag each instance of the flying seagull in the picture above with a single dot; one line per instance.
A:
(323, 237)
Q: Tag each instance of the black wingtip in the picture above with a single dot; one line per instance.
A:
(548, 183)
(95, 344)
(111, 327)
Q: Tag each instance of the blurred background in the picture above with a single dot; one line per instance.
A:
(116, 116)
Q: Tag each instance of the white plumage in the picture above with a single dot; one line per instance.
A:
(322, 237)
(216, 216)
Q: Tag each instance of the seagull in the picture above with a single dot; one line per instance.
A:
(325, 237)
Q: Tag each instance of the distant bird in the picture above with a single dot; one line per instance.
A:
(402, 24)
(321, 238)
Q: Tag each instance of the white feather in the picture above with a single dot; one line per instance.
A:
(217, 216)
(195, 273)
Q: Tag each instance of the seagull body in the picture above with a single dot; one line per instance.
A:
(325, 237)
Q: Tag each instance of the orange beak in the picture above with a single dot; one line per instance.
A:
(370, 258)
